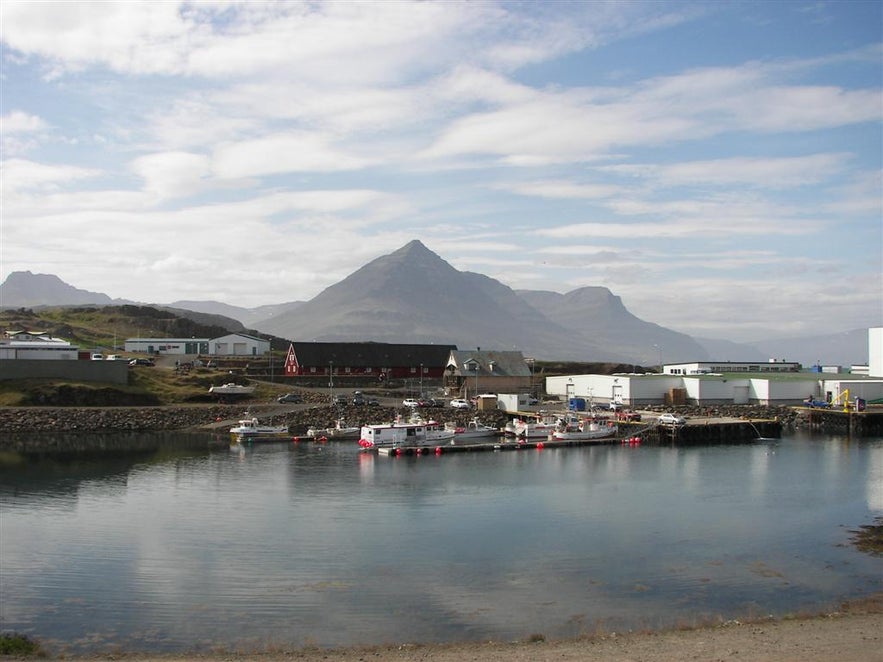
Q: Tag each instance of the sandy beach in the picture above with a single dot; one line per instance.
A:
(853, 633)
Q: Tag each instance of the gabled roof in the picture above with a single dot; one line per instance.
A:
(490, 364)
(370, 354)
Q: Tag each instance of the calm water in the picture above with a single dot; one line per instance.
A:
(324, 545)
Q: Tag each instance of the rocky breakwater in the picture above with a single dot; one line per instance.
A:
(110, 419)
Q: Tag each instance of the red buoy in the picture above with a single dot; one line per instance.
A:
(438, 450)
(540, 445)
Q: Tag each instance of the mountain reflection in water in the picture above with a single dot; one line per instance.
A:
(321, 544)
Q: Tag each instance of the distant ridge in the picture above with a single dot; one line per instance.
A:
(414, 296)
(26, 289)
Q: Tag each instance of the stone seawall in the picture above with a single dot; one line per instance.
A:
(110, 419)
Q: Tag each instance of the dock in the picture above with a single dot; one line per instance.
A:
(631, 434)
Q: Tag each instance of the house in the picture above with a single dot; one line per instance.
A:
(471, 372)
(238, 344)
(368, 359)
(37, 345)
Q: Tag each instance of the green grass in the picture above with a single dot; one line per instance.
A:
(19, 645)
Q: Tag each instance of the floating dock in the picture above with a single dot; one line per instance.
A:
(631, 434)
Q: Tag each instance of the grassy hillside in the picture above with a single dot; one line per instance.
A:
(106, 327)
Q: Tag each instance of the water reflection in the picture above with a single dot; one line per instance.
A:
(301, 543)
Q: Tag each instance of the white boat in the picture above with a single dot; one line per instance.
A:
(473, 430)
(584, 429)
(231, 390)
(340, 431)
(399, 434)
(534, 426)
(249, 429)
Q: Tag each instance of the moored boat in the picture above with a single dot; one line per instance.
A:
(533, 426)
(583, 430)
(340, 431)
(250, 429)
(399, 434)
(473, 430)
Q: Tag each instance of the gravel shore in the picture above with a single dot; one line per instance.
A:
(853, 633)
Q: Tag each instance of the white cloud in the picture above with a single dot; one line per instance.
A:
(281, 153)
(172, 174)
(772, 173)
(21, 175)
(18, 121)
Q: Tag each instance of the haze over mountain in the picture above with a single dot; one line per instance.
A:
(248, 317)
(412, 295)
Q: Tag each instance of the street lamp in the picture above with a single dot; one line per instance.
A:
(421, 380)
(331, 380)
(659, 349)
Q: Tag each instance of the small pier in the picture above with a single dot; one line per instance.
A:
(838, 421)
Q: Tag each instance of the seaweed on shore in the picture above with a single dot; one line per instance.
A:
(869, 538)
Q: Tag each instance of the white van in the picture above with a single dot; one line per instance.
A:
(97, 357)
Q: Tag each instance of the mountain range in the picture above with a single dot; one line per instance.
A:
(413, 296)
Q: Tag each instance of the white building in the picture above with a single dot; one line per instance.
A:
(239, 344)
(36, 345)
(168, 345)
(711, 367)
(639, 389)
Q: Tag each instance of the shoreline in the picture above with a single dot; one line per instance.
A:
(853, 632)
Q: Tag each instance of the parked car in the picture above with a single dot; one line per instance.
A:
(358, 398)
(148, 362)
(410, 402)
(372, 402)
(290, 398)
(615, 406)
(97, 357)
(671, 419)
(458, 403)
(340, 400)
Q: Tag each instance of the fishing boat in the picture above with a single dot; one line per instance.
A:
(401, 434)
(340, 431)
(250, 429)
(583, 430)
(473, 430)
(532, 426)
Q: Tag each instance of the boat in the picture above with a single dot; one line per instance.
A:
(473, 430)
(533, 426)
(249, 429)
(231, 390)
(340, 431)
(583, 430)
(400, 434)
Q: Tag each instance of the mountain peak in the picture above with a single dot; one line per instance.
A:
(23, 288)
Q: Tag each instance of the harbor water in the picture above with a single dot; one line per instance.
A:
(305, 544)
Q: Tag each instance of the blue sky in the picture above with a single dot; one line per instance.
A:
(716, 165)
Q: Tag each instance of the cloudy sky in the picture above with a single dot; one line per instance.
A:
(715, 164)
